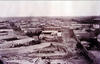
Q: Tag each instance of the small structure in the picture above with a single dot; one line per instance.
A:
(51, 36)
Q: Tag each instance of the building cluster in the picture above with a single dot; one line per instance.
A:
(48, 40)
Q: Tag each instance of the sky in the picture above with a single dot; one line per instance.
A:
(49, 8)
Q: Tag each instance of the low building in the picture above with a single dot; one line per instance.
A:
(51, 36)
(53, 28)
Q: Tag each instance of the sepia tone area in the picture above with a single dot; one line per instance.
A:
(50, 40)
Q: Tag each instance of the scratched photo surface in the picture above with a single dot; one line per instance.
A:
(49, 32)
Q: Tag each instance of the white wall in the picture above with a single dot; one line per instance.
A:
(49, 8)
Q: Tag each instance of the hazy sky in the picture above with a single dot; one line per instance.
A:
(49, 8)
